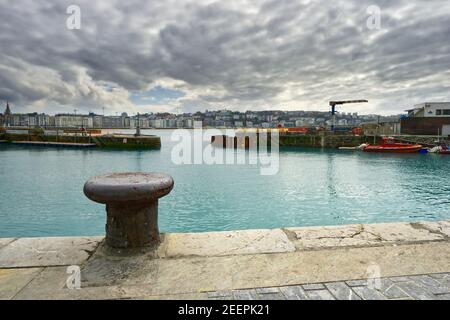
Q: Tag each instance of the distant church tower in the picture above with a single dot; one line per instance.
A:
(8, 110)
(7, 115)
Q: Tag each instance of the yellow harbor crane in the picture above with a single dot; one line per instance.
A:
(333, 105)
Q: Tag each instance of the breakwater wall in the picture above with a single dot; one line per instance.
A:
(105, 141)
(294, 140)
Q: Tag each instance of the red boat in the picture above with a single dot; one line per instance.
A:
(389, 145)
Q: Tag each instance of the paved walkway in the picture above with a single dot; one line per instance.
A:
(420, 287)
(411, 261)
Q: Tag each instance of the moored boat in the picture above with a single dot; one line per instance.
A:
(440, 148)
(389, 145)
(444, 149)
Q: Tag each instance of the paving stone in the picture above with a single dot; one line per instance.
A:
(222, 298)
(443, 296)
(443, 278)
(272, 296)
(294, 293)
(227, 243)
(415, 291)
(40, 252)
(245, 294)
(399, 279)
(440, 275)
(368, 293)
(267, 290)
(332, 236)
(12, 281)
(390, 289)
(220, 294)
(445, 282)
(313, 286)
(356, 283)
(432, 285)
(320, 295)
(341, 291)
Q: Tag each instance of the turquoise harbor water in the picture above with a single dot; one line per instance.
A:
(41, 190)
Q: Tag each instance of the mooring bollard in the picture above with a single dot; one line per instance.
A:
(131, 205)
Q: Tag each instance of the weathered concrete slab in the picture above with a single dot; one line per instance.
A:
(334, 236)
(401, 232)
(442, 227)
(5, 241)
(45, 284)
(121, 268)
(200, 274)
(195, 275)
(12, 281)
(227, 243)
(361, 235)
(57, 251)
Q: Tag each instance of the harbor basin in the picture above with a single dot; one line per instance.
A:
(41, 189)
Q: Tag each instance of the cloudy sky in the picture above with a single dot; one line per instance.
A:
(183, 55)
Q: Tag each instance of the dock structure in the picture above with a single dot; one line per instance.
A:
(375, 261)
(55, 144)
(116, 141)
(322, 140)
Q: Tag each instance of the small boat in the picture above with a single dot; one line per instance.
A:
(389, 145)
(360, 147)
(443, 149)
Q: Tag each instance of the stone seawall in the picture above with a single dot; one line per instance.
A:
(321, 141)
(296, 140)
(106, 141)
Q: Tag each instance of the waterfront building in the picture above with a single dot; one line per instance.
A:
(97, 120)
(428, 118)
(430, 110)
(304, 122)
(35, 119)
(158, 123)
(144, 122)
(73, 121)
(113, 122)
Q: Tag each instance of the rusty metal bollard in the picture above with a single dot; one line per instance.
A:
(131, 205)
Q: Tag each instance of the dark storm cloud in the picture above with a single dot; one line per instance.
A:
(239, 54)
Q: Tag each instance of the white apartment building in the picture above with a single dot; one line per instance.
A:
(430, 109)
(72, 120)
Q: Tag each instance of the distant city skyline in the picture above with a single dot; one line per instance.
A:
(191, 55)
(117, 113)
